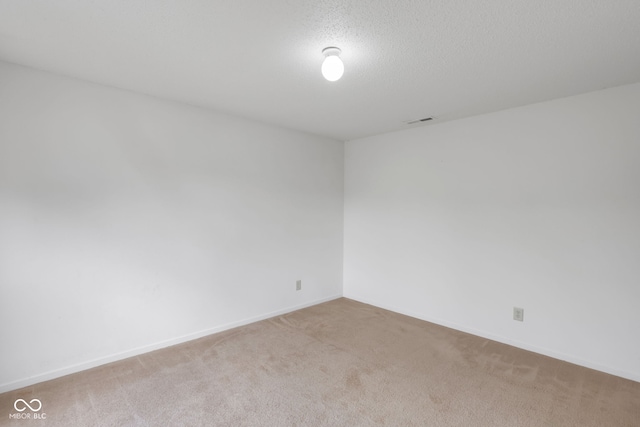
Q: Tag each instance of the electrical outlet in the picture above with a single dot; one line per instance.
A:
(298, 285)
(518, 314)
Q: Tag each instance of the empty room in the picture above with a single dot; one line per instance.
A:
(320, 213)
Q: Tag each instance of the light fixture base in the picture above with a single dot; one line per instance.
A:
(331, 51)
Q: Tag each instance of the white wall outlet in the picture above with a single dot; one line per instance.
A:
(518, 314)
(298, 285)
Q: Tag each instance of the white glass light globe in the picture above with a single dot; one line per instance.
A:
(332, 68)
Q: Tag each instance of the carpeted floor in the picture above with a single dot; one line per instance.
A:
(340, 363)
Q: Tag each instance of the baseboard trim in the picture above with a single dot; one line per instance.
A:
(540, 350)
(57, 373)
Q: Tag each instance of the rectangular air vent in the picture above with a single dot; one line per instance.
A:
(426, 119)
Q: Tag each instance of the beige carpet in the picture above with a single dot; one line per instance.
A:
(341, 363)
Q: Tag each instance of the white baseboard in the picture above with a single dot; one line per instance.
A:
(544, 351)
(56, 373)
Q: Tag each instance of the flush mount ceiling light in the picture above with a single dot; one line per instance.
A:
(332, 67)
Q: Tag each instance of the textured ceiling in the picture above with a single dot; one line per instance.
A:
(404, 59)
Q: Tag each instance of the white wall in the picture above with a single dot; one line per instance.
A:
(536, 207)
(129, 223)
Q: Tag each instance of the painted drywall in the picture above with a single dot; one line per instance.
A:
(129, 223)
(536, 207)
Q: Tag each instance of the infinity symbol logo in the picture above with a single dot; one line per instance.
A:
(26, 405)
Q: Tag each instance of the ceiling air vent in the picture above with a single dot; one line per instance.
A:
(426, 119)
